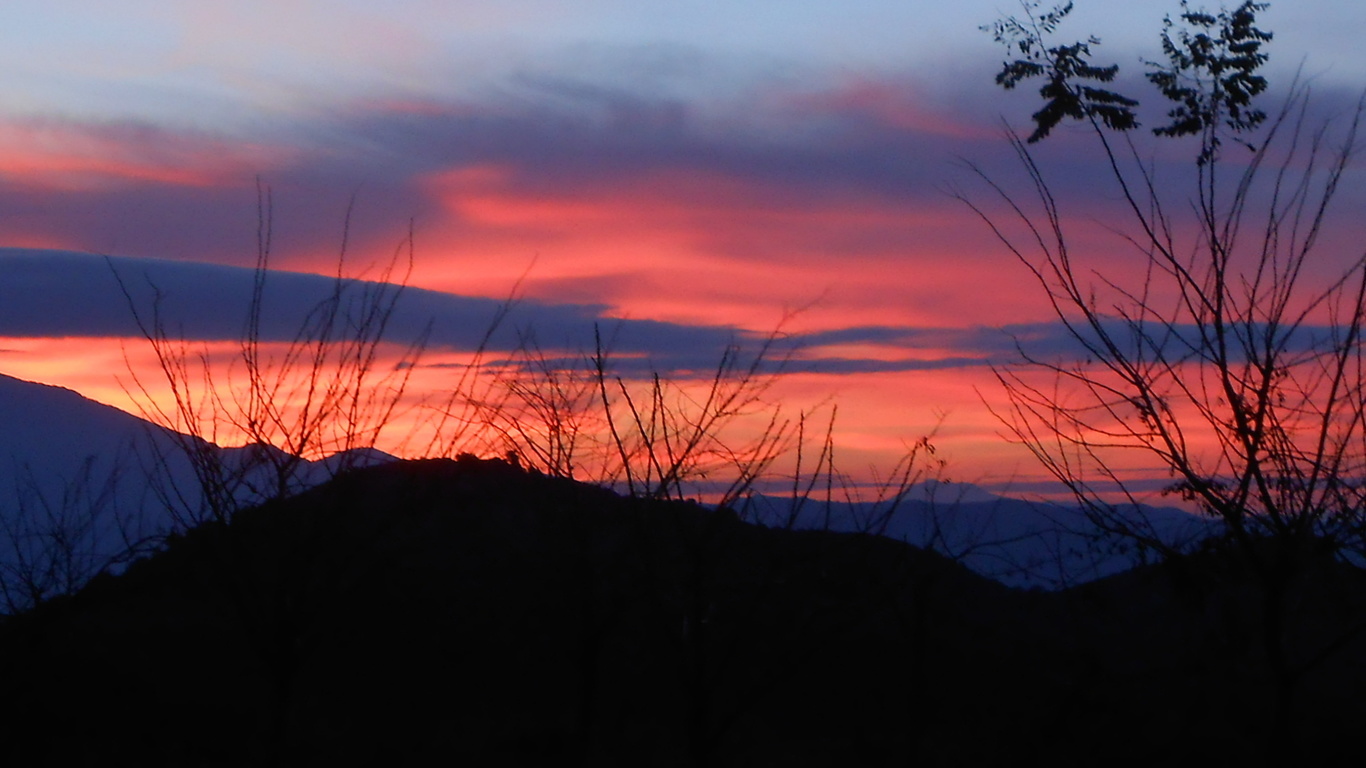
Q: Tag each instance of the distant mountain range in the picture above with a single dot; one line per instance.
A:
(1017, 542)
(84, 481)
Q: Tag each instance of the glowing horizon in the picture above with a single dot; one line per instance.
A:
(691, 177)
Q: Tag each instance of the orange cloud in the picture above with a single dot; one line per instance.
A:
(695, 246)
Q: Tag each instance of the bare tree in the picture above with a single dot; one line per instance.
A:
(723, 429)
(1234, 359)
(649, 434)
(330, 390)
(545, 415)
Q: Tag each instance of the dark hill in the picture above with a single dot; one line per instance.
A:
(445, 612)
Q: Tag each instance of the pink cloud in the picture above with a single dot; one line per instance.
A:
(899, 105)
(74, 157)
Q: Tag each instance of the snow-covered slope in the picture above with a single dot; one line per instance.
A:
(83, 485)
(75, 494)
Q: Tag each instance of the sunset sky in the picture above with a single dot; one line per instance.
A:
(699, 170)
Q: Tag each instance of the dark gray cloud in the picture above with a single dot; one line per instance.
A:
(552, 135)
(67, 294)
(593, 137)
(970, 346)
(886, 140)
(1049, 342)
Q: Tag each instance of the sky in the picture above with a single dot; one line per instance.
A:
(689, 174)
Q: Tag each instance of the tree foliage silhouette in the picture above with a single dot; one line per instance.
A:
(1064, 68)
(1234, 356)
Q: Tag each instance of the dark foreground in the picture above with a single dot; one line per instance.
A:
(439, 613)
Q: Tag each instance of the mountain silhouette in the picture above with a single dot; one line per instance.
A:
(85, 460)
(435, 611)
